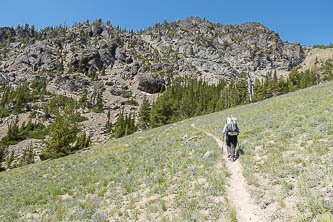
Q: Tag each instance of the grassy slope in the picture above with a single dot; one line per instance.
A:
(152, 175)
(159, 175)
(288, 161)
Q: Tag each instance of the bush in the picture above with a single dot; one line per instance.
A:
(132, 102)
(127, 94)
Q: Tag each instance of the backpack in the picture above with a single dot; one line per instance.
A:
(233, 128)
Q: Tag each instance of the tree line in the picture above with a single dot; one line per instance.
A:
(189, 97)
(185, 98)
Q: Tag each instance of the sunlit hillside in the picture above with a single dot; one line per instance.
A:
(177, 173)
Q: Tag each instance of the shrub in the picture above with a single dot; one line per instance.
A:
(127, 94)
(132, 102)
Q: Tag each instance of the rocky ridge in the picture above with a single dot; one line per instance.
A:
(92, 55)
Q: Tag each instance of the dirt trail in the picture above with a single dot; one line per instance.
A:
(240, 198)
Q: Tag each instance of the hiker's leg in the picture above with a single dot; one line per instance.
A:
(228, 142)
(232, 150)
(235, 142)
(233, 146)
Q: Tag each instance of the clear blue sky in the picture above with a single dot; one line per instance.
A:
(306, 21)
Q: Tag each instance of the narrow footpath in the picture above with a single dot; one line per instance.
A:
(238, 193)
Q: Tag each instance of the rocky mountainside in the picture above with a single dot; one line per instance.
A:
(192, 46)
(125, 65)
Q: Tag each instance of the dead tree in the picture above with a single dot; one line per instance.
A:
(250, 85)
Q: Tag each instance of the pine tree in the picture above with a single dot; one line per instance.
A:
(13, 130)
(82, 142)
(3, 153)
(119, 128)
(282, 86)
(295, 79)
(99, 103)
(258, 91)
(108, 124)
(161, 112)
(27, 156)
(10, 160)
(62, 132)
(83, 99)
(125, 125)
(80, 66)
(144, 114)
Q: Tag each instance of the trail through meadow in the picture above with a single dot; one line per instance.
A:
(238, 193)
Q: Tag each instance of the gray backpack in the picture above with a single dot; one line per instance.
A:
(233, 128)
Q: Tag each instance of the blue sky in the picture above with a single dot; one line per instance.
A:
(306, 21)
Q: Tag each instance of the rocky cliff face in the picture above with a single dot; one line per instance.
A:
(223, 51)
(192, 46)
(87, 56)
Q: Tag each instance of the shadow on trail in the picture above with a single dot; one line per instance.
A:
(239, 151)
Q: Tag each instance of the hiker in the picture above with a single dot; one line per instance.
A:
(231, 131)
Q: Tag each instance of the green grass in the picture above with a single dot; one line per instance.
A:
(288, 145)
(154, 175)
(160, 175)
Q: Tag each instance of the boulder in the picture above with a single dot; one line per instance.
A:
(120, 54)
(72, 83)
(4, 79)
(149, 84)
(107, 53)
(91, 61)
(209, 154)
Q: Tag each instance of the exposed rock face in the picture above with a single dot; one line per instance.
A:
(189, 47)
(90, 61)
(96, 56)
(227, 50)
(72, 83)
(4, 79)
(149, 84)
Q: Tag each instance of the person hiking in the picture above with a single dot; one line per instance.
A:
(230, 132)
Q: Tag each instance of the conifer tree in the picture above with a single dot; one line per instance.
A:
(3, 153)
(10, 160)
(108, 124)
(83, 99)
(125, 125)
(80, 66)
(27, 156)
(294, 78)
(144, 114)
(62, 132)
(82, 142)
(13, 130)
(161, 112)
(99, 103)
(119, 128)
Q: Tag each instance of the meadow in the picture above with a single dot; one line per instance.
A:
(163, 174)
(288, 152)
(156, 175)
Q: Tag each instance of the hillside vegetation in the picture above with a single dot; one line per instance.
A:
(176, 173)
(109, 71)
(107, 74)
(288, 144)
